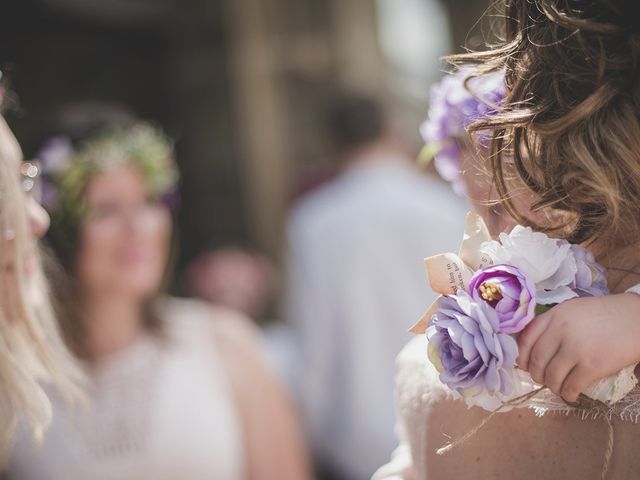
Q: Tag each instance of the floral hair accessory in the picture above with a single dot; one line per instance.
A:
(452, 108)
(490, 291)
(67, 171)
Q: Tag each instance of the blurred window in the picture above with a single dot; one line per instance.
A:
(414, 34)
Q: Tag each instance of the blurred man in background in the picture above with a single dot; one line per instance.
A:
(356, 283)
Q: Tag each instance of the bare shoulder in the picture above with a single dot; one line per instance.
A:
(240, 346)
(234, 329)
(235, 334)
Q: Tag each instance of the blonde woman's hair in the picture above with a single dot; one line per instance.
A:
(569, 129)
(32, 353)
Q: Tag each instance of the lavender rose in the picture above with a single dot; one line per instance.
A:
(509, 292)
(467, 348)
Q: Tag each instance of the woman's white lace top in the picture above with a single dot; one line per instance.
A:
(418, 388)
(161, 409)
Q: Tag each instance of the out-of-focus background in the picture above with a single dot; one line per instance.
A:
(238, 83)
(244, 88)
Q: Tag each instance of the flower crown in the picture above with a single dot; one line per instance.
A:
(452, 108)
(67, 171)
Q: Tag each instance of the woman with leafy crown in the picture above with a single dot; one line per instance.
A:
(176, 388)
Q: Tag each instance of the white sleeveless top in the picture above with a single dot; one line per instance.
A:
(161, 409)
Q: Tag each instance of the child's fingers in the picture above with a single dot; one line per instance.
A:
(575, 383)
(557, 371)
(544, 350)
(529, 336)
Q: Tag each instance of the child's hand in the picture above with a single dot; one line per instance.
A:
(581, 341)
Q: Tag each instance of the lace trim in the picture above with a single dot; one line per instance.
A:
(627, 409)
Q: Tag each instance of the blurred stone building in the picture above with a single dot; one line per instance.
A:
(238, 83)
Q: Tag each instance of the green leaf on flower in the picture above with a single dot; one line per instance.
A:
(540, 309)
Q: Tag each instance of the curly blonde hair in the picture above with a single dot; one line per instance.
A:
(569, 129)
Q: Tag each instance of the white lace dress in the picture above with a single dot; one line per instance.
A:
(161, 409)
(418, 389)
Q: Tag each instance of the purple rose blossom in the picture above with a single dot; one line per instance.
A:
(509, 292)
(591, 277)
(452, 108)
(467, 348)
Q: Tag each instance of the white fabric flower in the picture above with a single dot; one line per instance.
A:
(548, 262)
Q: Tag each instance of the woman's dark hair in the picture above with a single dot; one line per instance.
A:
(79, 123)
(82, 124)
(353, 121)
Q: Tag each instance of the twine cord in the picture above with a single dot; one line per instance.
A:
(514, 402)
(608, 453)
(519, 401)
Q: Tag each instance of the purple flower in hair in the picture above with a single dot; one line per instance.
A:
(452, 109)
(171, 198)
(50, 197)
(55, 155)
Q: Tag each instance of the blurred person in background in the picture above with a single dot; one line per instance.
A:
(178, 389)
(461, 159)
(234, 278)
(356, 283)
(32, 353)
(246, 281)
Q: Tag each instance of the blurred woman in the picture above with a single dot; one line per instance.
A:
(31, 350)
(178, 389)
